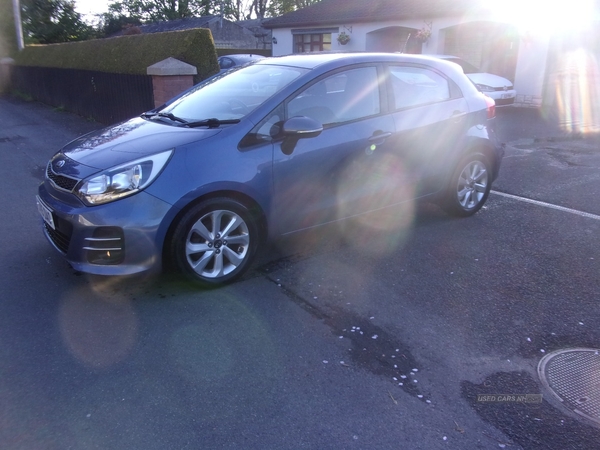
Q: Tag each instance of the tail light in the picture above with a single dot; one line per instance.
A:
(491, 107)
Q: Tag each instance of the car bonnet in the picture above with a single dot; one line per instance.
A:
(129, 141)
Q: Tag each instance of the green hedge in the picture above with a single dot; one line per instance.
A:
(127, 54)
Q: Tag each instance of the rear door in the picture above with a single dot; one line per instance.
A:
(431, 118)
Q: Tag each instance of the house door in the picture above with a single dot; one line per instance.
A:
(490, 46)
(393, 39)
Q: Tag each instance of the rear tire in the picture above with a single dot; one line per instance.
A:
(469, 186)
(214, 242)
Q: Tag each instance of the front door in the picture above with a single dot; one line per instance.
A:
(334, 175)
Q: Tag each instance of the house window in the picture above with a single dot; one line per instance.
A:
(305, 43)
(308, 40)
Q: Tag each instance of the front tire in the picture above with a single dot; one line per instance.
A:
(469, 186)
(215, 242)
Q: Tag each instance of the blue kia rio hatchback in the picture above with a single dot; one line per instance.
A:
(269, 149)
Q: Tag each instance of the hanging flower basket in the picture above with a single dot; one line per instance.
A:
(343, 38)
(423, 35)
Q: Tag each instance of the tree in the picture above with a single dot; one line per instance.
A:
(279, 7)
(147, 11)
(246, 9)
(234, 9)
(52, 21)
(113, 23)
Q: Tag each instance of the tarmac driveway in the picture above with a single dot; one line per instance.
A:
(374, 337)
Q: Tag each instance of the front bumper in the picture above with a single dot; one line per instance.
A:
(117, 238)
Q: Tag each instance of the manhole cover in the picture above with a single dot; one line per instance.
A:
(573, 377)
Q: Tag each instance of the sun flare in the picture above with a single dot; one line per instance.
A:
(543, 16)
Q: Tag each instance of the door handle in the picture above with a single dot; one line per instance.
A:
(379, 138)
(458, 115)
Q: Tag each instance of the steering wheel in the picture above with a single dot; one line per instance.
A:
(238, 106)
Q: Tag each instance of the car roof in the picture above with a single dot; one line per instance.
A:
(314, 60)
(326, 61)
(243, 57)
(445, 56)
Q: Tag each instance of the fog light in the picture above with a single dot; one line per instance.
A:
(106, 246)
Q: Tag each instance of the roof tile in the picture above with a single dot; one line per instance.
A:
(356, 11)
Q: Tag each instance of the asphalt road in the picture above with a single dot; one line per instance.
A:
(380, 336)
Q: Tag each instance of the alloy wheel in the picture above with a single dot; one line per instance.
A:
(472, 185)
(217, 244)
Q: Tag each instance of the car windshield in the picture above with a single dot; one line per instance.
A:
(467, 67)
(235, 94)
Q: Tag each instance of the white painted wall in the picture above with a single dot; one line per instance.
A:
(435, 45)
(285, 42)
(531, 62)
(358, 36)
(531, 70)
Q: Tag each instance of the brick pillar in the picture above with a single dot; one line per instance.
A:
(169, 78)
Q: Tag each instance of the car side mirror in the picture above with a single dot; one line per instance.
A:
(296, 128)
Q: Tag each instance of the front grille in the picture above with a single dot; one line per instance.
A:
(503, 88)
(60, 240)
(61, 181)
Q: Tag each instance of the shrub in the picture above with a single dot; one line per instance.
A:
(128, 54)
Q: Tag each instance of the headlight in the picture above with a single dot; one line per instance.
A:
(123, 180)
(485, 88)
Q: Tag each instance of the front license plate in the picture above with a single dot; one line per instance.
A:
(45, 212)
(507, 96)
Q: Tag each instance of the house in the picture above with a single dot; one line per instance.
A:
(226, 34)
(263, 35)
(470, 29)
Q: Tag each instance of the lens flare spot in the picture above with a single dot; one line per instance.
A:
(377, 201)
(577, 92)
(100, 331)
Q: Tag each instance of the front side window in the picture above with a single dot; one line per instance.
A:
(266, 129)
(306, 43)
(414, 86)
(342, 97)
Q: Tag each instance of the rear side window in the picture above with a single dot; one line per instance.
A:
(415, 86)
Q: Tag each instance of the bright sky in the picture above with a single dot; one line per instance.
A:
(543, 16)
(91, 7)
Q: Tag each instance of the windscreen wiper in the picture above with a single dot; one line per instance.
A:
(174, 118)
(211, 123)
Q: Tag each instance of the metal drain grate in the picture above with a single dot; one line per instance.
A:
(573, 377)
